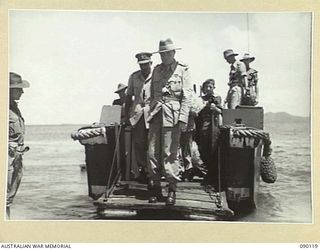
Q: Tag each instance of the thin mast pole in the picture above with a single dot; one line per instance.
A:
(248, 33)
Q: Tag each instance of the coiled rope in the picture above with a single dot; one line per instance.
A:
(268, 169)
(86, 133)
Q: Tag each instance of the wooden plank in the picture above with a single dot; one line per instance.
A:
(164, 190)
(132, 193)
(179, 202)
(137, 186)
(163, 184)
(138, 190)
(165, 214)
(161, 207)
(130, 198)
(192, 209)
(182, 198)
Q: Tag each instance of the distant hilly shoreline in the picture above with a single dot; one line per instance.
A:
(283, 117)
(278, 117)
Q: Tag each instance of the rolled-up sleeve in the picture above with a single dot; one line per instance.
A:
(241, 67)
(16, 133)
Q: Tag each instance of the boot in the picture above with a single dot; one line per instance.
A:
(171, 199)
(142, 178)
(155, 193)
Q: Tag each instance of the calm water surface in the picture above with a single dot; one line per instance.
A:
(54, 188)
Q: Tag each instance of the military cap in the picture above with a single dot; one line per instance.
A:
(17, 82)
(144, 57)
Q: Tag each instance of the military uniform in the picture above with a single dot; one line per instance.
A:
(139, 88)
(121, 102)
(236, 90)
(207, 123)
(171, 90)
(16, 150)
(186, 139)
(252, 76)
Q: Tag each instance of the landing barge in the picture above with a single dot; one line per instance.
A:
(111, 168)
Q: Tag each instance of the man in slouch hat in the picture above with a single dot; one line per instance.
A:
(16, 146)
(136, 110)
(252, 98)
(171, 90)
(238, 84)
(121, 91)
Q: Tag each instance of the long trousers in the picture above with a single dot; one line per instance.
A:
(15, 167)
(186, 146)
(140, 142)
(163, 152)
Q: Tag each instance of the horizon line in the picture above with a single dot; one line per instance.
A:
(87, 124)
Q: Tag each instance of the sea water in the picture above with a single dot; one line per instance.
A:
(54, 187)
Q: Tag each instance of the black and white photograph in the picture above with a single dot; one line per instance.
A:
(193, 116)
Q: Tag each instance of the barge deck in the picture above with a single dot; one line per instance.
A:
(129, 200)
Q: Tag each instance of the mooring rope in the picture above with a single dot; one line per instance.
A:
(88, 132)
(268, 169)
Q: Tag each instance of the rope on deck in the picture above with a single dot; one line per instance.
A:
(268, 170)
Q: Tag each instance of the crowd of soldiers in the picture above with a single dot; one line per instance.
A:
(167, 117)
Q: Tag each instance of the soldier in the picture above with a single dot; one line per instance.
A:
(171, 90)
(252, 74)
(121, 91)
(16, 139)
(137, 109)
(238, 83)
(208, 120)
(193, 165)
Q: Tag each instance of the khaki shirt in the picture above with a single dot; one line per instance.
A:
(237, 71)
(139, 88)
(252, 77)
(16, 129)
(171, 91)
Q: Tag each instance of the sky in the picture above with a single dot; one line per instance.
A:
(74, 60)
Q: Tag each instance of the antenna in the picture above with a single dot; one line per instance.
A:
(248, 33)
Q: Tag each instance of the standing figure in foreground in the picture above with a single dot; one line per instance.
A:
(252, 97)
(238, 83)
(171, 90)
(208, 122)
(16, 139)
(137, 108)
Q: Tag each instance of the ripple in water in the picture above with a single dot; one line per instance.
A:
(54, 188)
